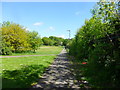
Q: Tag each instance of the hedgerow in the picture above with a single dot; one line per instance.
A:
(98, 41)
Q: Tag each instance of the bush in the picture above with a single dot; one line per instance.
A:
(98, 42)
(5, 49)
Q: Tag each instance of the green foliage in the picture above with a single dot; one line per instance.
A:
(15, 35)
(98, 42)
(65, 42)
(52, 41)
(15, 38)
(47, 41)
(103, 63)
(5, 48)
(34, 40)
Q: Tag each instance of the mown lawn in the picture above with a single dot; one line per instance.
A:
(43, 50)
(23, 72)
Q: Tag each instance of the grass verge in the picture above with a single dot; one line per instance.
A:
(23, 72)
(78, 69)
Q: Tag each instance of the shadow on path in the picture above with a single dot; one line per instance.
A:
(58, 75)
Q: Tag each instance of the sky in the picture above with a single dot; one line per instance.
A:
(48, 18)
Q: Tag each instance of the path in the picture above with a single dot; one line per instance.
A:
(58, 75)
(27, 55)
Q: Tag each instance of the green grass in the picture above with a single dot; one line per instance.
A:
(18, 62)
(22, 72)
(43, 50)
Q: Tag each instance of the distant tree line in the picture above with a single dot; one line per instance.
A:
(54, 41)
(15, 38)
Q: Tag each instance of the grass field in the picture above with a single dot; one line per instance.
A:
(22, 72)
(42, 51)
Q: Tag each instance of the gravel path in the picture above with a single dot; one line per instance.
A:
(58, 75)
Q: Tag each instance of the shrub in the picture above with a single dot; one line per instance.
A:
(98, 42)
(5, 49)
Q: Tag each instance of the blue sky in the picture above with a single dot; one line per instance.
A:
(48, 18)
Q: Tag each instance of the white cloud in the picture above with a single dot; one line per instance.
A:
(38, 24)
(51, 28)
(27, 29)
(62, 36)
(77, 13)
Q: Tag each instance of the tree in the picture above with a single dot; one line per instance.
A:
(34, 40)
(46, 40)
(57, 40)
(15, 35)
(65, 42)
(7, 23)
(5, 48)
